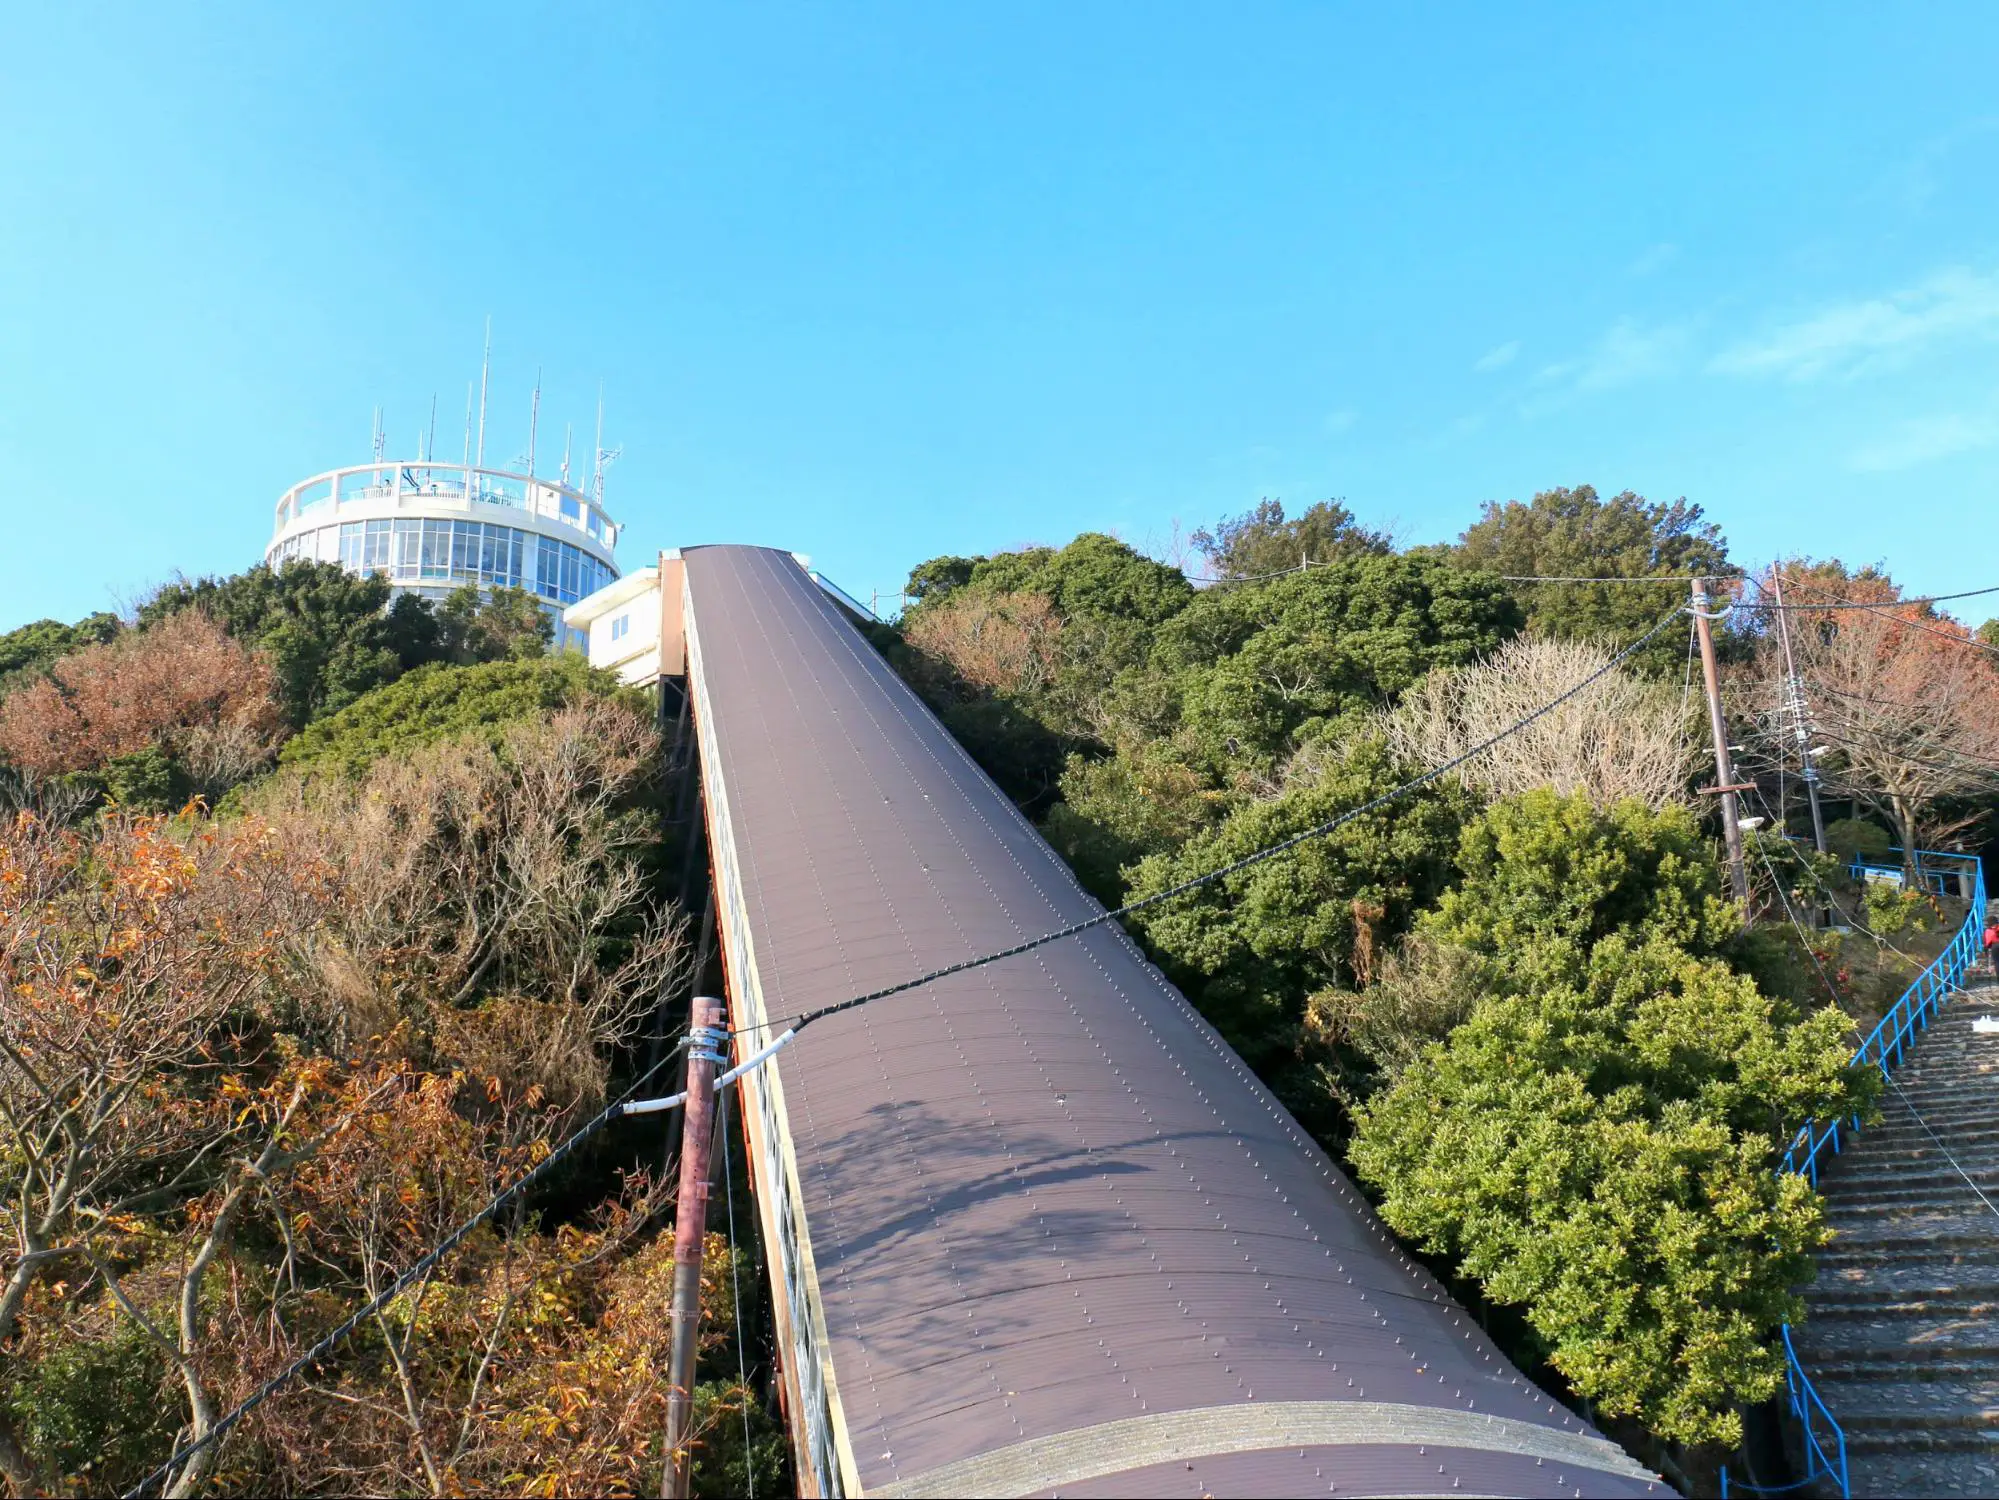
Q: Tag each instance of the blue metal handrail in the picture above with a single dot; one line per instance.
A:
(1884, 1048)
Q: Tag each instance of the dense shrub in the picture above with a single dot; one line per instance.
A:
(1594, 1142)
(437, 703)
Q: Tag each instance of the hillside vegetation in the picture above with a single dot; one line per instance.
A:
(1517, 1000)
(319, 921)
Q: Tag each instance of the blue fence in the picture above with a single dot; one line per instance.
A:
(1950, 874)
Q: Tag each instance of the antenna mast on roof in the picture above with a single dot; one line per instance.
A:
(468, 424)
(430, 439)
(565, 453)
(485, 367)
(605, 457)
(534, 419)
(381, 438)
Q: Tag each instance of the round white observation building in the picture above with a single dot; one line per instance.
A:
(430, 528)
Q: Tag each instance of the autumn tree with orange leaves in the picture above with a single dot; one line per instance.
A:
(1904, 699)
(184, 689)
(252, 1070)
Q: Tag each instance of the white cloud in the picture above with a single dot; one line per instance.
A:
(1923, 440)
(1851, 338)
(1627, 352)
(1339, 421)
(1657, 258)
(1493, 359)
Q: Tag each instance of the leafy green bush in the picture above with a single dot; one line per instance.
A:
(1595, 1143)
(92, 1407)
(440, 702)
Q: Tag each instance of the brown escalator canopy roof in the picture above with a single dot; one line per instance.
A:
(1065, 1241)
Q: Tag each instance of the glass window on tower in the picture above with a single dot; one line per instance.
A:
(548, 568)
(436, 559)
(409, 539)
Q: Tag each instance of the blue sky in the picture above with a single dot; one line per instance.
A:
(877, 282)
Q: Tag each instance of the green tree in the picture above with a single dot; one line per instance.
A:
(439, 702)
(1571, 533)
(330, 636)
(33, 648)
(937, 577)
(494, 624)
(1095, 578)
(1252, 666)
(1262, 541)
(1248, 949)
(1595, 1143)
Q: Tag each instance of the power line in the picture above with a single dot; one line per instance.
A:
(1645, 578)
(1799, 609)
(799, 1022)
(1965, 764)
(1502, 577)
(1887, 609)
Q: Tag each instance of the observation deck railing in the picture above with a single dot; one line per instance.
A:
(1884, 1048)
(417, 482)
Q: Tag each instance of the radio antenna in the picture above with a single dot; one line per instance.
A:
(534, 419)
(485, 369)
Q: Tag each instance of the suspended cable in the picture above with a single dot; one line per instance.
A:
(1799, 609)
(799, 1022)
(1887, 609)
(1644, 578)
(1963, 765)
(1502, 577)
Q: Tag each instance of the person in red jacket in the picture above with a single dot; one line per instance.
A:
(1992, 944)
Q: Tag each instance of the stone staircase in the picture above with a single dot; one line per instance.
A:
(1902, 1340)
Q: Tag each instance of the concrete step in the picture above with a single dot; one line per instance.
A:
(1897, 1280)
(1879, 1142)
(1902, 1336)
(1968, 1407)
(1913, 1189)
(1854, 1200)
(1913, 1335)
(1924, 1440)
(1831, 1368)
(1971, 1304)
(1967, 1237)
(1923, 1474)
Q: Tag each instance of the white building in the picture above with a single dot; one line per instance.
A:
(430, 528)
(633, 626)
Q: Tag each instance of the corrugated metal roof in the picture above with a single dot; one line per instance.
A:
(1064, 1240)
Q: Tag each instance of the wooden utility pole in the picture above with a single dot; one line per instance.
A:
(1794, 697)
(690, 1229)
(1724, 768)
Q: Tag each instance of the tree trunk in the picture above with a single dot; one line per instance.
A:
(1905, 829)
